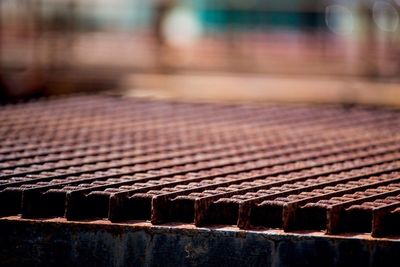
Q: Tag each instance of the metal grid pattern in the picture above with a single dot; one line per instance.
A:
(292, 167)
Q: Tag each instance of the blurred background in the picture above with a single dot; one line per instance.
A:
(344, 51)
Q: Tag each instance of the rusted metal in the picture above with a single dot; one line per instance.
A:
(50, 242)
(290, 167)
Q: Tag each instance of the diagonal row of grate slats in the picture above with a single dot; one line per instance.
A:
(292, 167)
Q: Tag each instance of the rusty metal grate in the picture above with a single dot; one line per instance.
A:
(292, 167)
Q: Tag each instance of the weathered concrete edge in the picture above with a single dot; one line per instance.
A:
(60, 243)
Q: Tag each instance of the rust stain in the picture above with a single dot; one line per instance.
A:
(302, 170)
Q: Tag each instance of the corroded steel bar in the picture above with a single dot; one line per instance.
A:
(289, 167)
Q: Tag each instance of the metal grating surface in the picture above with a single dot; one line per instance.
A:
(288, 167)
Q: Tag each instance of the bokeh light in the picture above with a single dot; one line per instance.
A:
(385, 16)
(339, 19)
(181, 27)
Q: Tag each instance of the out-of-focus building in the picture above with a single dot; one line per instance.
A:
(98, 41)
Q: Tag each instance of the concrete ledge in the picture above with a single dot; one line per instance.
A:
(56, 242)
